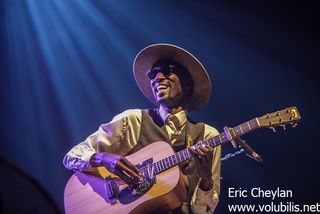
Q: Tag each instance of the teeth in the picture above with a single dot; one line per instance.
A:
(161, 87)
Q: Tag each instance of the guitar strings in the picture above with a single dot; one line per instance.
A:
(144, 169)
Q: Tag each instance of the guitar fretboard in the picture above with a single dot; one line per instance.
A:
(218, 140)
(172, 160)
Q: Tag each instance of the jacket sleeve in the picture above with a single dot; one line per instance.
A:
(118, 136)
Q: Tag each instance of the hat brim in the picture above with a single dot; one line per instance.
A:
(150, 54)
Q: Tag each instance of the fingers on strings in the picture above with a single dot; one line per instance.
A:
(128, 172)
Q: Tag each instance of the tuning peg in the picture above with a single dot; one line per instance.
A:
(284, 127)
(294, 124)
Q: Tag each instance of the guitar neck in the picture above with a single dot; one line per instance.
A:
(238, 131)
(218, 140)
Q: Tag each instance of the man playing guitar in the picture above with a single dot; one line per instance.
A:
(177, 83)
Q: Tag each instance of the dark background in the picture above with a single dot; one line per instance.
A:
(66, 67)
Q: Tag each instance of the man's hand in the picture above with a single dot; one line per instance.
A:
(117, 165)
(203, 158)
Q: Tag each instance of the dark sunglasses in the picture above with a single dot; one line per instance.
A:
(166, 70)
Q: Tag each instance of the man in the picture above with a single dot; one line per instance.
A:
(176, 81)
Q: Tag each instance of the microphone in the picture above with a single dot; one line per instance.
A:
(248, 150)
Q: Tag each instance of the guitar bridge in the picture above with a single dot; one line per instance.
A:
(148, 180)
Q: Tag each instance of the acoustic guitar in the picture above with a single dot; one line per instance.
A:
(107, 193)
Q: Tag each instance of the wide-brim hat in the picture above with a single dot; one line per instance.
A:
(150, 54)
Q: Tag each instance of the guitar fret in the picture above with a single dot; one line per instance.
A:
(248, 125)
(158, 166)
(224, 137)
(187, 154)
(178, 157)
(162, 164)
(220, 138)
(215, 139)
(212, 141)
(236, 130)
(170, 161)
(182, 154)
(154, 165)
(174, 160)
(244, 127)
(207, 142)
(167, 162)
(247, 128)
(253, 123)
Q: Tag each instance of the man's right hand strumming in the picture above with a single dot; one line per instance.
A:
(117, 165)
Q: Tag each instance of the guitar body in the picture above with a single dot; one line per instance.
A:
(86, 193)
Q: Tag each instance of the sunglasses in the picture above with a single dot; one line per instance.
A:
(166, 70)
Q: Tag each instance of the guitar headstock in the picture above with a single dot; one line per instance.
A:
(280, 118)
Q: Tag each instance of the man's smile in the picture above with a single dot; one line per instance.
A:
(161, 87)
